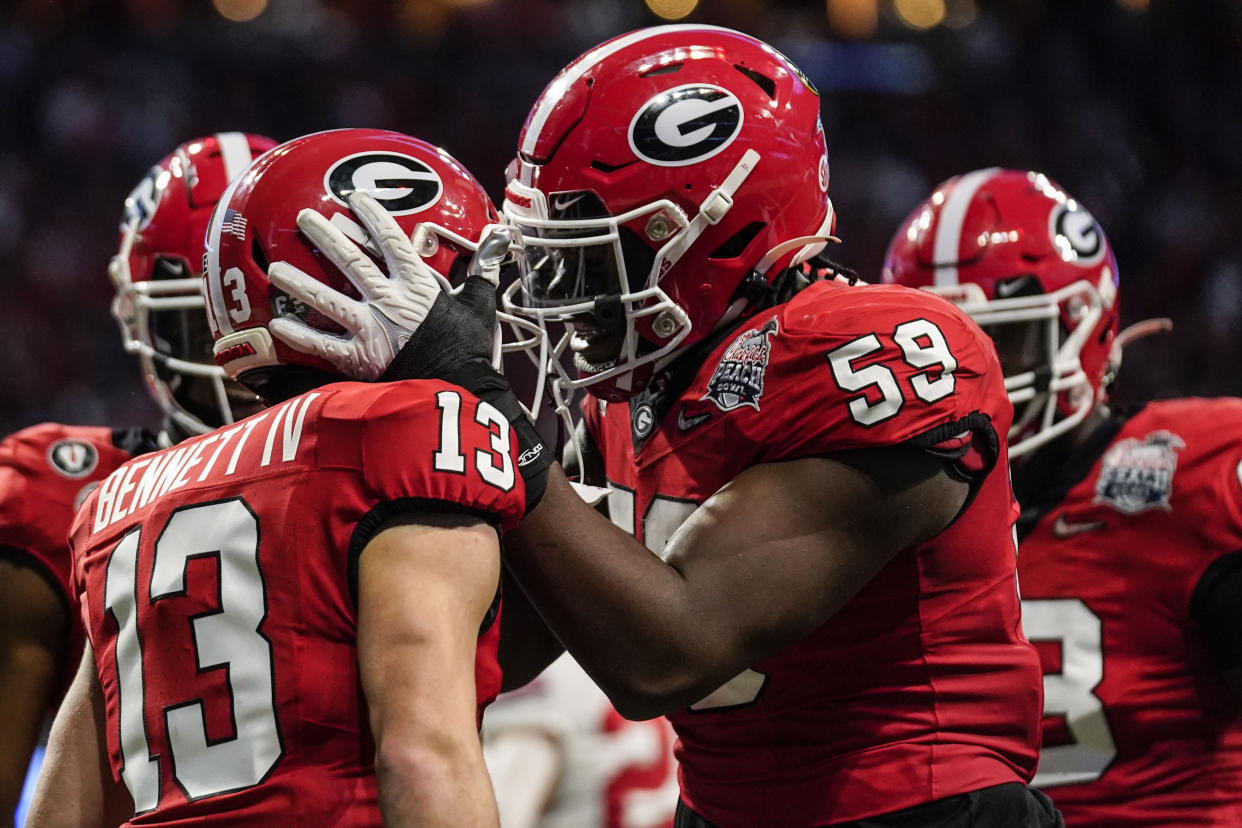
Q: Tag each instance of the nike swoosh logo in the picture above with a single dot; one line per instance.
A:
(686, 423)
(1062, 528)
(1006, 289)
(561, 205)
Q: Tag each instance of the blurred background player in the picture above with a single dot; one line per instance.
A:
(283, 610)
(1131, 528)
(832, 622)
(560, 756)
(46, 470)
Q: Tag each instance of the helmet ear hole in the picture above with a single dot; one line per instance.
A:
(736, 244)
(457, 270)
(256, 253)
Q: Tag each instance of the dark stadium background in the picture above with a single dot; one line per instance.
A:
(1135, 106)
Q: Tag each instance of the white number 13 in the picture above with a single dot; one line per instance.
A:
(230, 637)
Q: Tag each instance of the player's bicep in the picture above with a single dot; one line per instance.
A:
(783, 546)
(425, 584)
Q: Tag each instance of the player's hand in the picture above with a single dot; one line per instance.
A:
(392, 304)
(456, 334)
(408, 324)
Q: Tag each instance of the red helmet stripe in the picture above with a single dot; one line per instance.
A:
(947, 251)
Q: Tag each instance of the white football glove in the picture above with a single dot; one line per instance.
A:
(393, 304)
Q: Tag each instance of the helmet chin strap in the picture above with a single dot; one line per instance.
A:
(1138, 330)
(813, 244)
(810, 246)
(711, 211)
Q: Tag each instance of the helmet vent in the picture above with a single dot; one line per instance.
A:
(738, 242)
(768, 85)
(609, 168)
(256, 253)
(661, 70)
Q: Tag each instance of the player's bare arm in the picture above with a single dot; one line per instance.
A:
(34, 627)
(76, 788)
(763, 562)
(527, 646)
(419, 613)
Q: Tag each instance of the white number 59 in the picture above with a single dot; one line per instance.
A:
(922, 345)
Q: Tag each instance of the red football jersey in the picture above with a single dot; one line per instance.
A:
(45, 473)
(216, 581)
(1139, 728)
(922, 686)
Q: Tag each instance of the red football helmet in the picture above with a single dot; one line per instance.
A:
(1032, 267)
(156, 273)
(662, 180)
(431, 196)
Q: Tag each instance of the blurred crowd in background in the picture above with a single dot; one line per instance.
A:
(1134, 106)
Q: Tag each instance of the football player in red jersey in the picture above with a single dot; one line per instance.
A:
(831, 617)
(46, 470)
(1131, 520)
(290, 620)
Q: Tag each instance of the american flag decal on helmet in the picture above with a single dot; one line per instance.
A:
(234, 224)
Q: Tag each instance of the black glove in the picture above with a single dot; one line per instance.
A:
(454, 344)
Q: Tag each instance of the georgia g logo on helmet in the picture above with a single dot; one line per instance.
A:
(685, 125)
(1076, 235)
(400, 183)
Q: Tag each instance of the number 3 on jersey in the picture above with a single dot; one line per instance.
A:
(923, 346)
(1070, 693)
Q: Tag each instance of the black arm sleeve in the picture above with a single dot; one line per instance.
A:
(1216, 606)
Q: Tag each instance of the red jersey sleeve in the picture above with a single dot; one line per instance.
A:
(426, 442)
(45, 473)
(894, 366)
